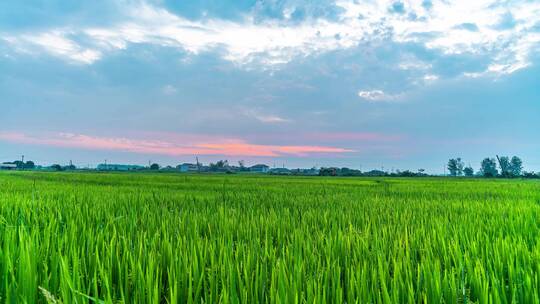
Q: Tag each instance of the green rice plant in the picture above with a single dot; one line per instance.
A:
(174, 238)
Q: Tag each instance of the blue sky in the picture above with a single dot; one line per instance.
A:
(363, 84)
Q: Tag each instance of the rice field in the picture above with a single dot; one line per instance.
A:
(172, 238)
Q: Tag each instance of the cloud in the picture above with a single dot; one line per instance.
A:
(189, 146)
(264, 118)
(452, 27)
(430, 77)
(55, 43)
(271, 119)
(377, 95)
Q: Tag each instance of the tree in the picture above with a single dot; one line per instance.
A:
(516, 166)
(328, 172)
(29, 165)
(455, 166)
(154, 166)
(504, 165)
(219, 166)
(56, 167)
(488, 167)
(530, 175)
(468, 171)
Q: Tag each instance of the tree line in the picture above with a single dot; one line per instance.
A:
(502, 166)
(499, 166)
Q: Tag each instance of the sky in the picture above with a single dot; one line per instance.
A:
(347, 83)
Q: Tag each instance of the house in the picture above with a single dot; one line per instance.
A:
(187, 167)
(8, 166)
(203, 168)
(259, 168)
(118, 167)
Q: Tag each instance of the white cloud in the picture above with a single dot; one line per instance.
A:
(264, 118)
(271, 119)
(273, 42)
(414, 64)
(430, 77)
(377, 95)
(55, 43)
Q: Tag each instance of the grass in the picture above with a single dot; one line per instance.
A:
(166, 238)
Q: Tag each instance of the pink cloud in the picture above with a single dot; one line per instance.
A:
(176, 147)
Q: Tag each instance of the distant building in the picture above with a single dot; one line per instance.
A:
(118, 167)
(8, 166)
(233, 169)
(299, 171)
(187, 167)
(259, 168)
(279, 171)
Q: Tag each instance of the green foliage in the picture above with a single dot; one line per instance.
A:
(166, 238)
(488, 167)
(468, 171)
(57, 167)
(510, 167)
(516, 166)
(328, 172)
(504, 165)
(455, 166)
(220, 165)
(29, 165)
